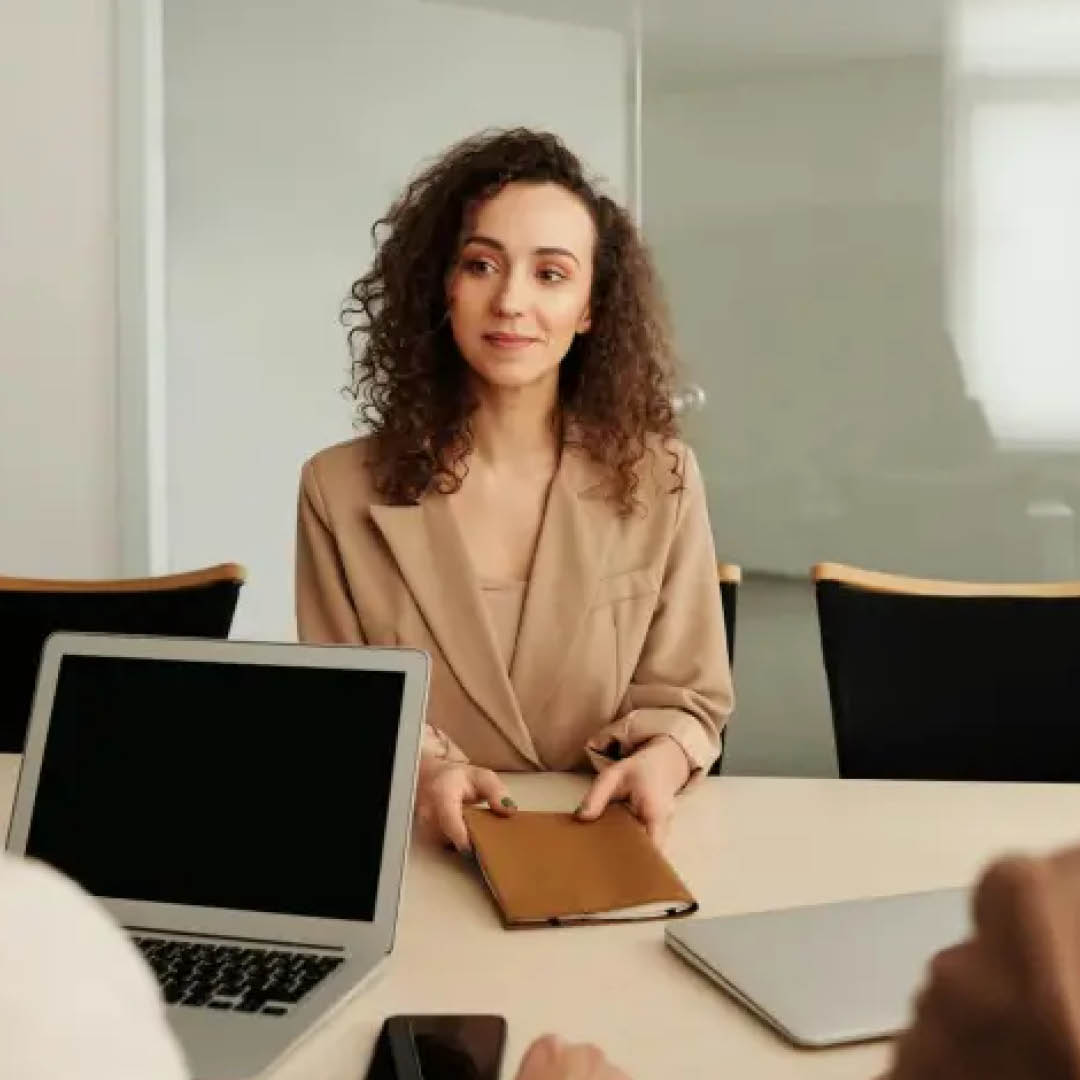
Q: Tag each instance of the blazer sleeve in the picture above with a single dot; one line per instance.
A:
(681, 686)
(325, 612)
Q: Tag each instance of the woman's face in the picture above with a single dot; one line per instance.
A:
(520, 288)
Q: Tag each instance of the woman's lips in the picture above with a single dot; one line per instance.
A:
(508, 341)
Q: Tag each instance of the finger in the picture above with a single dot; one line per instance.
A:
(1066, 864)
(924, 1052)
(447, 806)
(651, 807)
(600, 794)
(656, 815)
(488, 787)
(964, 996)
(588, 1060)
(427, 823)
(539, 1056)
(1010, 900)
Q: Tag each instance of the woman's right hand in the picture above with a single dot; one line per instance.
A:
(445, 787)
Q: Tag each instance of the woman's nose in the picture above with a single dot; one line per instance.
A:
(510, 299)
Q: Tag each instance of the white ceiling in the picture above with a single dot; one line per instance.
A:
(693, 40)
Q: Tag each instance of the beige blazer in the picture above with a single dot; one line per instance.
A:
(621, 636)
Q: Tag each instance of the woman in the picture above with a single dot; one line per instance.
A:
(521, 509)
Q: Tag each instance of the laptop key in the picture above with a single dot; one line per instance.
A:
(196, 974)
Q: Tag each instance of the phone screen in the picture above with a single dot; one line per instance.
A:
(439, 1048)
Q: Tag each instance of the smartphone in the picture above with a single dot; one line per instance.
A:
(439, 1048)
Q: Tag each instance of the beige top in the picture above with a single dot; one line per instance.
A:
(504, 601)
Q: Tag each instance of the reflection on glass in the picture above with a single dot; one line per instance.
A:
(868, 220)
(1016, 139)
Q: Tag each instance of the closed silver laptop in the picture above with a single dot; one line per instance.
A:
(827, 973)
(242, 809)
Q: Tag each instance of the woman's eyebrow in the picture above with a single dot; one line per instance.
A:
(489, 241)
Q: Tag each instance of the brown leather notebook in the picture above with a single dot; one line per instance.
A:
(547, 869)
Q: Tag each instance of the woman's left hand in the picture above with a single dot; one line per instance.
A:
(649, 779)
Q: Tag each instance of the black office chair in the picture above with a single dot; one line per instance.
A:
(199, 603)
(944, 680)
(729, 576)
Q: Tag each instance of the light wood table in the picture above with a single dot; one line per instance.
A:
(742, 844)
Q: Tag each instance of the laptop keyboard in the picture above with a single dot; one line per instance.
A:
(247, 980)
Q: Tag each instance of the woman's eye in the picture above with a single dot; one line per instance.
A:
(551, 274)
(477, 266)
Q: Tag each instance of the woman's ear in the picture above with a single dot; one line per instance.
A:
(585, 322)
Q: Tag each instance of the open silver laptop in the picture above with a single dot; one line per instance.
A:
(243, 809)
(828, 973)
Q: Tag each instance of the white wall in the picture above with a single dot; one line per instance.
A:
(289, 128)
(57, 446)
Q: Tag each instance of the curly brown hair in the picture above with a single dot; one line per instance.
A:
(411, 383)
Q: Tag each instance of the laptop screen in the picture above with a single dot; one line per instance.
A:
(255, 787)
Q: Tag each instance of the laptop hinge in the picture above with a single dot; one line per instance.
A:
(260, 942)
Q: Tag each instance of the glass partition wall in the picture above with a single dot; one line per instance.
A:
(867, 216)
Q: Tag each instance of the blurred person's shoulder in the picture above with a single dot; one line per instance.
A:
(76, 999)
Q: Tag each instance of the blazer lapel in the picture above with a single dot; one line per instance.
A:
(570, 556)
(431, 555)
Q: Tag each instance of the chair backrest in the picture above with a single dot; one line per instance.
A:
(730, 576)
(946, 680)
(200, 603)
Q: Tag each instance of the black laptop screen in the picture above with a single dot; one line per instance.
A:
(261, 788)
